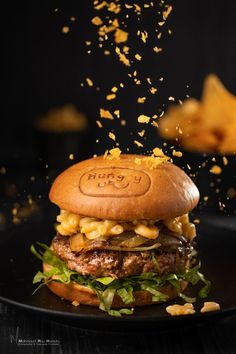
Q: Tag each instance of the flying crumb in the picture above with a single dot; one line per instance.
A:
(155, 124)
(216, 170)
(99, 124)
(166, 13)
(89, 81)
(114, 154)
(107, 52)
(122, 57)
(65, 29)
(141, 133)
(111, 96)
(112, 136)
(112, 7)
(105, 114)
(171, 98)
(177, 153)
(138, 9)
(138, 56)
(71, 157)
(153, 90)
(100, 6)
(117, 113)
(141, 99)
(123, 122)
(143, 35)
(120, 36)
(136, 142)
(114, 89)
(96, 21)
(225, 161)
(143, 119)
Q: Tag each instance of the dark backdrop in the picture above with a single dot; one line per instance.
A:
(44, 68)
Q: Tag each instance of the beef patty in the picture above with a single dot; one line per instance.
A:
(121, 264)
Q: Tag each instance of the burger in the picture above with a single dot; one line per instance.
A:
(123, 235)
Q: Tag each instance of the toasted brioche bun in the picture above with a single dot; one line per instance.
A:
(120, 189)
(86, 296)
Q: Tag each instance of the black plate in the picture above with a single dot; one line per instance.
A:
(216, 248)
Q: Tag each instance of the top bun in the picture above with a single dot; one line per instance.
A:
(120, 189)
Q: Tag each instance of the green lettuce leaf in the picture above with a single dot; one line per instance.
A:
(105, 280)
(126, 294)
(107, 287)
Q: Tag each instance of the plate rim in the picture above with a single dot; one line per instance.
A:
(107, 318)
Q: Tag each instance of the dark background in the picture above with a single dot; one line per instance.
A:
(44, 67)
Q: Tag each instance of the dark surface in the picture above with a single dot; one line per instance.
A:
(148, 331)
(44, 67)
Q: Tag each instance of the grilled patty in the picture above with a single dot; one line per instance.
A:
(118, 264)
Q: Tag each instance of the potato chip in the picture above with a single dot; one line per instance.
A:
(209, 125)
(218, 105)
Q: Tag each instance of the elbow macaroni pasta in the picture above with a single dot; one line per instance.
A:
(70, 224)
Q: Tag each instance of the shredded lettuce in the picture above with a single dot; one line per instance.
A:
(126, 294)
(107, 287)
(119, 313)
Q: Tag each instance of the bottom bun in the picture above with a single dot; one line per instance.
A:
(86, 296)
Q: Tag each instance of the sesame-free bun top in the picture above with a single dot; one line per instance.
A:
(128, 188)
